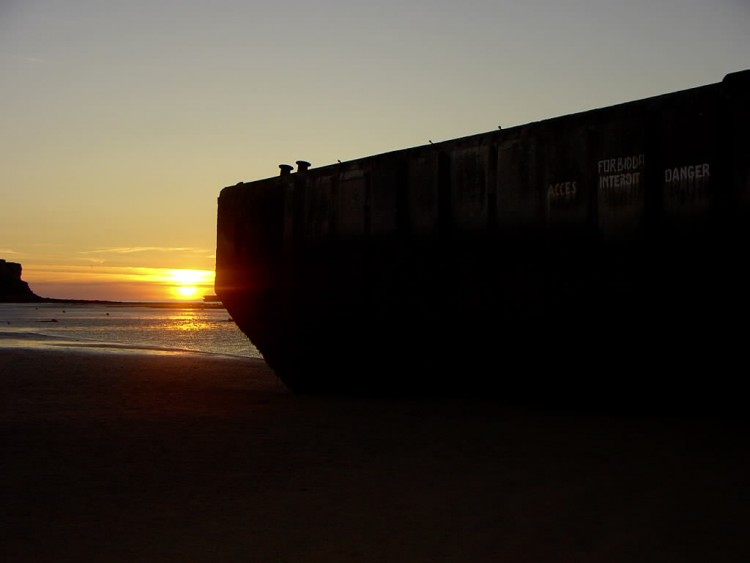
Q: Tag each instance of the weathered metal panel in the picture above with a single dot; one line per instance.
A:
(619, 145)
(564, 177)
(687, 129)
(386, 183)
(352, 205)
(468, 188)
(249, 235)
(423, 197)
(318, 209)
(519, 200)
(735, 119)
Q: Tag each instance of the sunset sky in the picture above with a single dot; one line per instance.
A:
(122, 121)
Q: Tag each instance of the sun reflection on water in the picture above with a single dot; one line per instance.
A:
(190, 321)
(137, 327)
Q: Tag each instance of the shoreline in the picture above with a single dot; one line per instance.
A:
(30, 341)
(154, 304)
(131, 328)
(118, 457)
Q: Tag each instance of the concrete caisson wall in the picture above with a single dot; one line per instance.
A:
(613, 173)
(605, 218)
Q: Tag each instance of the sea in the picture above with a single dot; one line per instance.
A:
(157, 328)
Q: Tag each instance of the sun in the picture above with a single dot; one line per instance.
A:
(186, 291)
(188, 284)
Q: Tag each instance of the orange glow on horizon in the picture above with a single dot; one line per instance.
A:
(189, 277)
(119, 283)
(186, 284)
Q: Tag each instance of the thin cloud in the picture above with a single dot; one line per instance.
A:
(105, 272)
(23, 58)
(136, 249)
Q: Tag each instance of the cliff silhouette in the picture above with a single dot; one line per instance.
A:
(12, 288)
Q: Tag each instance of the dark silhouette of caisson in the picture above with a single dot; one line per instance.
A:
(598, 255)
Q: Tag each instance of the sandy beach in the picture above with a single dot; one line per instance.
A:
(123, 457)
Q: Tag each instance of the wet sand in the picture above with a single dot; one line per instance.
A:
(122, 457)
